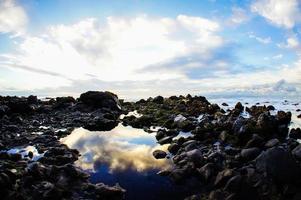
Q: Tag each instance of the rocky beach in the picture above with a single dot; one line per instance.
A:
(204, 150)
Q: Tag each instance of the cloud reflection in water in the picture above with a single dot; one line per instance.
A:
(120, 149)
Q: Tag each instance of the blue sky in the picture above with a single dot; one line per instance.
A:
(144, 48)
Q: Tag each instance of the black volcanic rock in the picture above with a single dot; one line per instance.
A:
(279, 165)
(159, 154)
(100, 100)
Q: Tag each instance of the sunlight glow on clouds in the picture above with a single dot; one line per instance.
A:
(114, 51)
(142, 55)
(13, 18)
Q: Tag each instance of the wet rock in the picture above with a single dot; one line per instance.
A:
(101, 100)
(266, 124)
(225, 104)
(158, 99)
(178, 175)
(279, 165)
(3, 110)
(222, 177)
(100, 123)
(64, 102)
(299, 116)
(207, 172)
(297, 152)
(195, 155)
(19, 105)
(165, 140)
(173, 148)
(233, 184)
(295, 133)
(107, 192)
(30, 154)
(159, 154)
(32, 99)
(164, 172)
(250, 153)
(217, 195)
(270, 107)
(271, 143)
(284, 117)
(160, 134)
(256, 141)
(186, 125)
(239, 107)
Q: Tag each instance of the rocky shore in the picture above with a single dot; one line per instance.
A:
(240, 153)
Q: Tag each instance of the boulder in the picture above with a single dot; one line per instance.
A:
(279, 165)
(158, 99)
(159, 154)
(98, 99)
(239, 107)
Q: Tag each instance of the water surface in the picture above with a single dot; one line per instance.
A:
(124, 155)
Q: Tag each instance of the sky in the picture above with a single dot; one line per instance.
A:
(141, 48)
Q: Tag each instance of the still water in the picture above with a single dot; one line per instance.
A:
(124, 155)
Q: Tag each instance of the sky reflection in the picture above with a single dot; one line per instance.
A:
(120, 149)
(124, 155)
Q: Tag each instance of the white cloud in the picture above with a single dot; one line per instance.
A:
(115, 50)
(13, 18)
(278, 56)
(292, 42)
(282, 13)
(266, 40)
(239, 16)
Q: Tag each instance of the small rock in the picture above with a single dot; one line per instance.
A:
(295, 133)
(270, 107)
(30, 154)
(173, 148)
(297, 152)
(165, 140)
(271, 143)
(159, 154)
